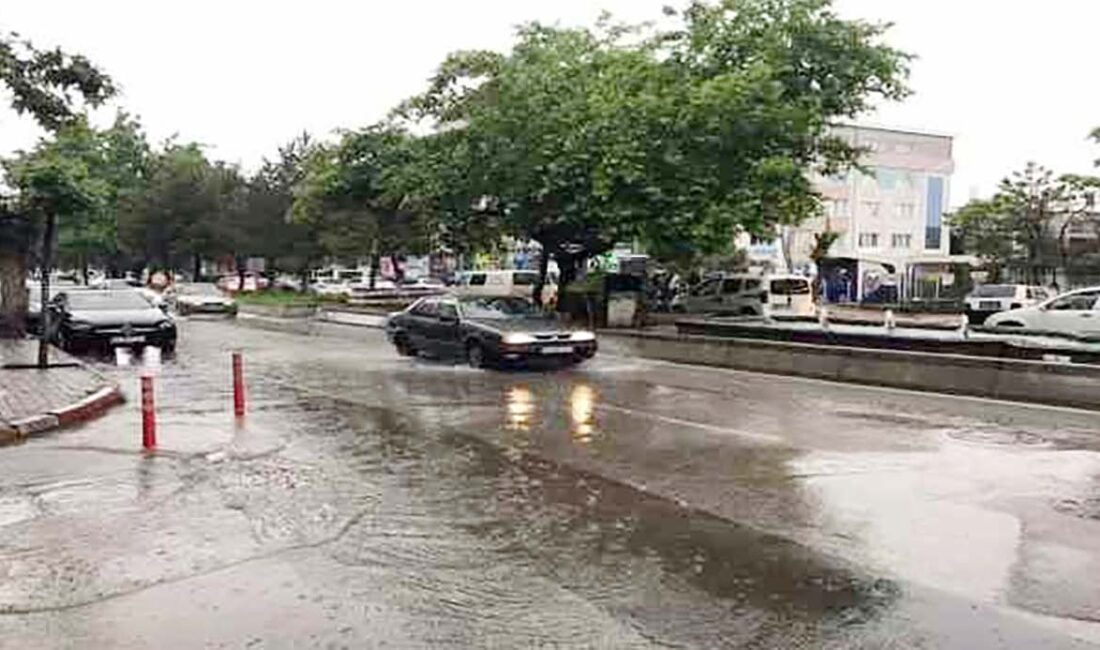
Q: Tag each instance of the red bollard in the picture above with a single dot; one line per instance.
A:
(148, 414)
(238, 385)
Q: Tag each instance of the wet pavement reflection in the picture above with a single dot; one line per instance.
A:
(369, 500)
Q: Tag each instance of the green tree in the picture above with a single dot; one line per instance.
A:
(43, 84)
(580, 138)
(358, 196)
(54, 186)
(1026, 223)
(188, 210)
(118, 157)
(290, 245)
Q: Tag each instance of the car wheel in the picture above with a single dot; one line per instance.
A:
(475, 355)
(404, 348)
(747, 311)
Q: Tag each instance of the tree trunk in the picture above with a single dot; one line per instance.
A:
(398, 272)
(239, 262)
(196, 268)
(373, 271)
(544, 265)
(47, 266)
(13, 294)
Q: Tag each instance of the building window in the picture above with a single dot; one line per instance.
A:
(868, 240)
(887, 178)
(901, 240)
(933, 218)
(905, 210)
(838, 208)
(870, 208)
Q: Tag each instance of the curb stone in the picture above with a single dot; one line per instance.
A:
(86, 409)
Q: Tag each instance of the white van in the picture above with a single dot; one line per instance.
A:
(745, 294)
(520, 284)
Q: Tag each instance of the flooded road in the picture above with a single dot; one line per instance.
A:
(369, 500)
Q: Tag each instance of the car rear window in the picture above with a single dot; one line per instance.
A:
(477, 279)
(995, 291)
(525, 279)
(790, 287)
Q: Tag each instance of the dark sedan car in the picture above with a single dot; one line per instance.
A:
(486, 331)
(105, 319)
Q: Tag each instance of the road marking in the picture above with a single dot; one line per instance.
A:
(762, 437)
(855, 386)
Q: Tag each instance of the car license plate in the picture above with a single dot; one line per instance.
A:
(124, 340)
(989, 305)
(558, 349)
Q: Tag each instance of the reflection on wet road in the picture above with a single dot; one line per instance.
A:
(370, 500)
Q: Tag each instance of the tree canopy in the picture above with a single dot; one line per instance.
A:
(579, 138)
(1026, 223)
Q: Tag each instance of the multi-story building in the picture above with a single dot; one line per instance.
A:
(889, 217)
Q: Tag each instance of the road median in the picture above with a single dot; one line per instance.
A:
(1010, 379)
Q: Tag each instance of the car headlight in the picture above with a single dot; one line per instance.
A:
(80, 325)
(583, 336)
(518, 339)
(166, 325)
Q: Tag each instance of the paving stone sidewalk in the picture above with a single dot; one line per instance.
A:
(33, 400)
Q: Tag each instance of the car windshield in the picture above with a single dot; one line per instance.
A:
(499, 308)
(994, 291)
(200, 290)
(106, 301)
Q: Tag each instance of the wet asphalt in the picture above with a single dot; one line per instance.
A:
(373, 501)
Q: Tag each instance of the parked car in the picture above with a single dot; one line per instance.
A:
(486, 331)
(252, 282)
(104, 319)
(743, 294)
(1076, 313)
(988, 299)
(519, 284)
(330, 289)
(287, 282)
(203, 298)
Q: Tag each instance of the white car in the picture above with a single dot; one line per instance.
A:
(1076, 313)
(327, 289)
(742, 294)
(203, 298)
(500, 284)
(988, 299)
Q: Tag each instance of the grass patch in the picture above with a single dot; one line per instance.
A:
(278, 298)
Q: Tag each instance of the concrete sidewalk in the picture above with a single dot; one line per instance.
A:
(33, 400)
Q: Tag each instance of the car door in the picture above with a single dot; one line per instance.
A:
(705, 297)
(421, 319)
(729, 295)
(1073, 313)
(445, 332)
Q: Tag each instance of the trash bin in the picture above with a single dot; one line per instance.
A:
(625, 296)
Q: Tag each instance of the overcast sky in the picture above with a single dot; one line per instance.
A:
(1010, 80)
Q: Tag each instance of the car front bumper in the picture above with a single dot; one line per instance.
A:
(546, 352)
(83, 340)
